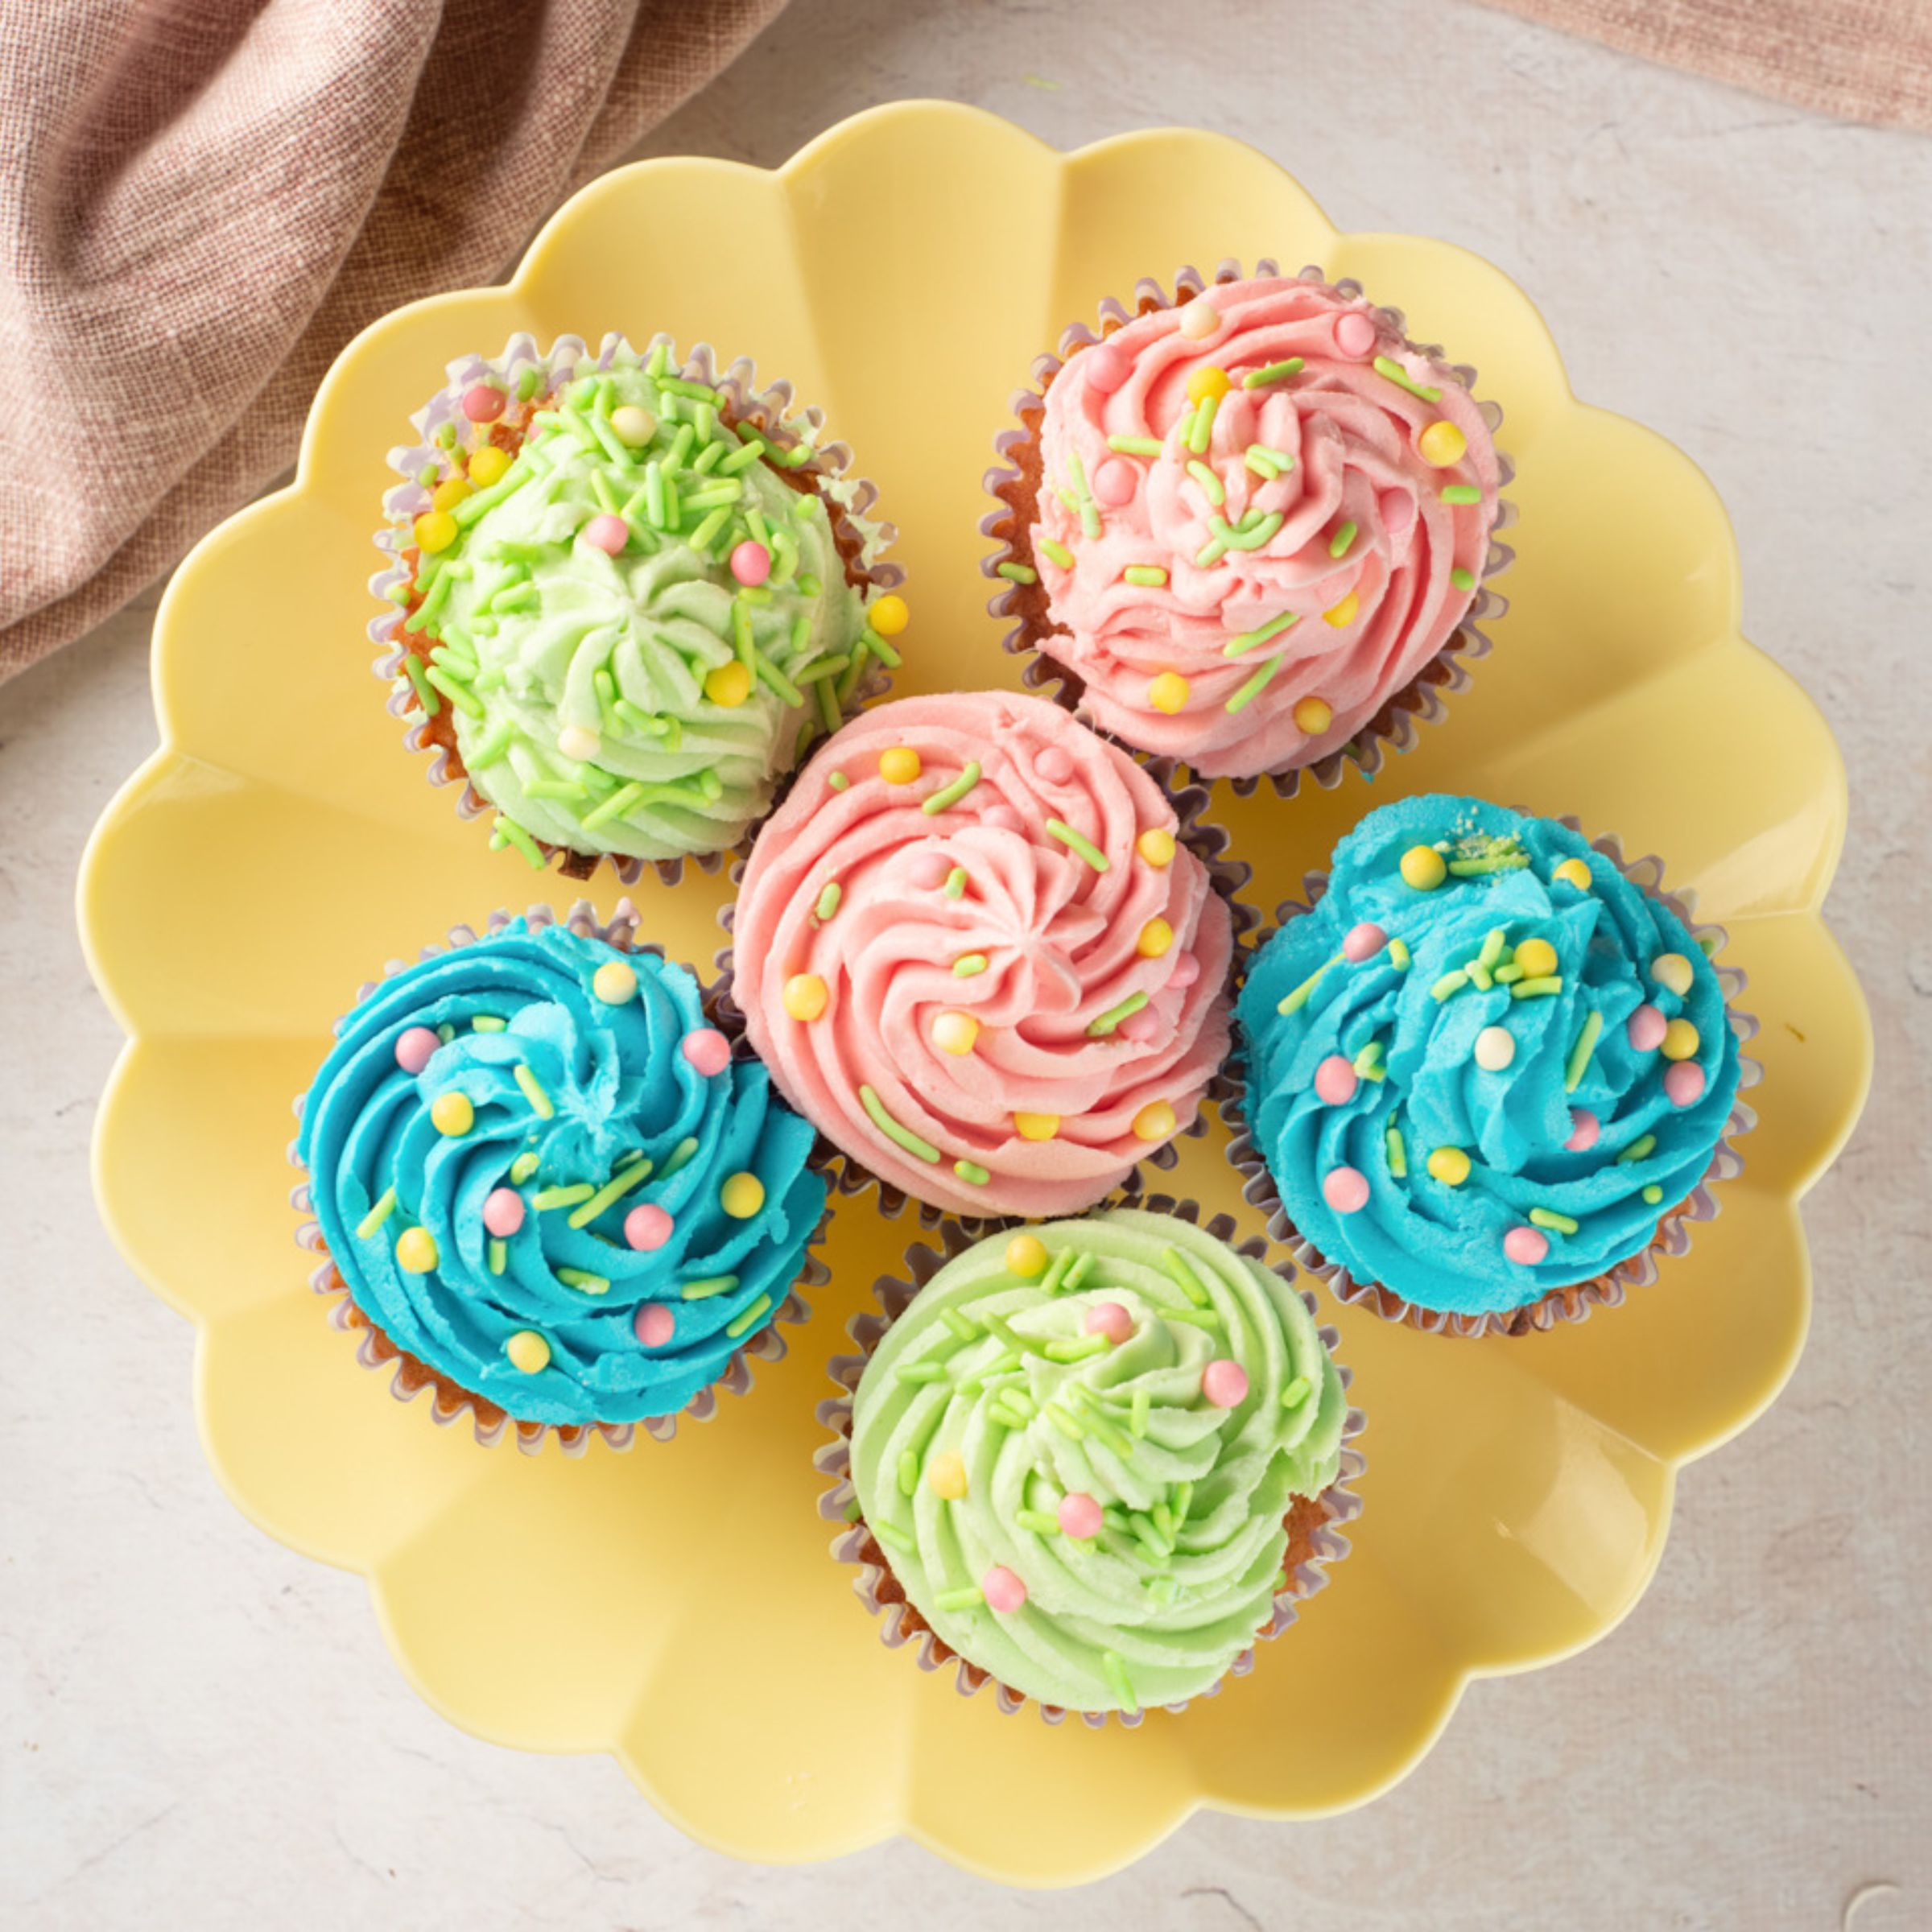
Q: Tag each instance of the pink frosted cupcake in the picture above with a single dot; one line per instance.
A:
(1250, 527)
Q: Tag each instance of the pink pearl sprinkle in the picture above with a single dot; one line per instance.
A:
(1139, 1027)
(1584, 1127)
(1186, 970)
(1398, 508)
(654, 1324)
(1107, 367)
(1224, 1383)
(647, 1228)
(607, 533)
(1363, 941)
(415, 1048)
(1355, 334)
(1683, 1082)
(1001, 818)
(1054, 765)
(1080, 1514)
(751, 563)
(929, 869)
(1645, 1029)
(503, 1211)
(1003, 1591)
(1111, 1320)
(483, 403)
(1334, 1081)
(1526, 1246)
(707, 1050)
(1113, 483)
(1345, 1189)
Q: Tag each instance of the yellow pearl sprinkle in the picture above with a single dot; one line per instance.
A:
(435, 530)
(1537, 959)
(888, 615)
(614, 982)
(1206, 381)
(1155, 1121)
(1573, 871)
(452, 1113)
(416, 1251)
(450, 492)
(1168, 692)
(1312, 717)
(1450, 1166)
(1424, 868)
(1036, 1126)
(1157, 935)
(1026, 1256)
(634, 424)
(528, 1352)
(1343, 613)
(805, 995)
(1672, 972)
(488, 465)
(729, 685)
(741, 1196)
(1680, 1040)
(1156, 847)
(954, 1033)
(900, 766)
(946, 1473)
(1441, 445)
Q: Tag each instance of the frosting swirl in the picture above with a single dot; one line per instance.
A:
(539, 1172)
(1115, 1414)
(1487, 1063)
(1261, 514)
(970, 951)
(634, 619)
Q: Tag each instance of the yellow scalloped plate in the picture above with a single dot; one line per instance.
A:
(676, 1605)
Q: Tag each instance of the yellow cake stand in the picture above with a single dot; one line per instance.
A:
(676, 1604)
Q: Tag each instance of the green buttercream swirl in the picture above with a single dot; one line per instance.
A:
(1183, 1573)
(545, 632)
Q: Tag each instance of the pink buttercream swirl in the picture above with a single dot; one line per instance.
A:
(1254, 526)
(983, 878)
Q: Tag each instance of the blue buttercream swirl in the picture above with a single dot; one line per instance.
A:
(601, 1085)
(1441, 1245)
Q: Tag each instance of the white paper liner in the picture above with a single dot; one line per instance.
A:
(854, 1544)
(849, 1176)
(1571, 1304)
(848, 498)
(449, 1401)
(1423, 700)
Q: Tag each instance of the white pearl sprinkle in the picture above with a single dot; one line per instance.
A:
(1199, 319)
(576, 742)
(1495, 1048)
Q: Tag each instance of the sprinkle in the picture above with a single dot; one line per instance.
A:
(747, 1315)
(1537, 988)
(1449, 983)
(1099, 1028)
(1394, 370)
(951, 794)
(680, 1155)
(1479, 975)
(1398, 956)
(1507, 976)
(1077, 842)
(1296, 1392)
(1490, 862)
(1065, 1423)
(492, 747)
(1398, 1156)
(528, 1352)
(838, 781)
(1448, 1165)
(1248, 640)
(1297, 999)
(945, 1475)
(505, 833)
(1251, 535)
(524, 1166)
(829, 900)
(1202, 426)
(968, 1596)
(613, 1190)
(1638, 1148)
(1580, 1053)
(1255, 685)
(969, 965)
(955, 887)
(1210, 483)
(1182, 1273)
(1462, 493)
(1038, 1521)
(1149, 576)
(923, 1373)
(378, 1215)
(1082, 1265)
(1120, 1684)
(1057, 1271)
(562, 1197)
(707, 1285)
(971, 1173)
(1055, 553)
(1275, 372)
(1077, 1350)
(896, 1539)
(1015, 573)
(1155, 1121)
(1368, 1063)
(1461, 578)
(1653, 1195)
(1168, 692)
(588, 1284)
(1338, 544)
(620, 802)
(909, 1473)
(533, 1092)
(1156, 846)
(1548, 1217)
(1136, 446)
(499, 1256)
(418, 673)
(904, 1137)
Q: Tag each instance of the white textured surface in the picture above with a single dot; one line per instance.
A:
(199, 1730)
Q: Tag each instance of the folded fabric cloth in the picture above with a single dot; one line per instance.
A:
(202, 201)
(1860, 60)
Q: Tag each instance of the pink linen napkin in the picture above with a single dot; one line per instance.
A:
(202, 201)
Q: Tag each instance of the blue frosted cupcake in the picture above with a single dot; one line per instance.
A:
(1487, 1073)
(544, 1183)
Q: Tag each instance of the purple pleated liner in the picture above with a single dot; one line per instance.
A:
(1571, 1304)
(1317, 1524)
(861, 539)
(450, 1402)
(1015, 481)
(849, 1177)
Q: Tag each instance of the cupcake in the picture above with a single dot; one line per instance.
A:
(1249, 527)
(978, 952)
(630, 597)
(1095, 1461)
(1487, 1070)
(543, 1182)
